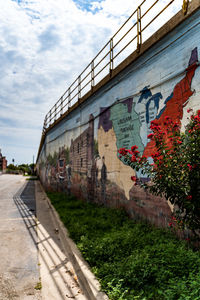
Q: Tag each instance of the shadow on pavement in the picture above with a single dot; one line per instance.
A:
(60, 264)
(49, 253)
(25, 202)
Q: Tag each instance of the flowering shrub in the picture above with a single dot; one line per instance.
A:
(174, 167)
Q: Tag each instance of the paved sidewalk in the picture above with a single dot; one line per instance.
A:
(19, 271)
(57, 274)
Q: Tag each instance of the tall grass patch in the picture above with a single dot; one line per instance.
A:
(132, 260)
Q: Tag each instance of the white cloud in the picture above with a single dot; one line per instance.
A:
(44, 45)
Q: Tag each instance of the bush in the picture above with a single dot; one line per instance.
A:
(175, 172)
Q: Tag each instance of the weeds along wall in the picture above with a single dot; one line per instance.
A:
(79, 154)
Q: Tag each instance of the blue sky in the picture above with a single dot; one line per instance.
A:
(88, 5)
(44, 45)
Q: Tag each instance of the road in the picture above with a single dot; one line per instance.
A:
(19, 270)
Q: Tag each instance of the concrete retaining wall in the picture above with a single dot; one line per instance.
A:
(79, 154)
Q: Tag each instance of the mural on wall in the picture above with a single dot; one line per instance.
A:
(127, 123)
(175, 103)
(89, 166)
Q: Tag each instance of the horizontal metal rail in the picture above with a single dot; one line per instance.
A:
(106, 58)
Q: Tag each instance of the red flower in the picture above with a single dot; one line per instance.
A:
(130, 152)
(123, 151)
(190, 167)
(176, 125)
(155, 123)
(156, 154)
(168, 120)
(136, 152)
(155, 127)
(133, 158)
(133, 148)
(150, 136)
(133, 178)
(189, 197)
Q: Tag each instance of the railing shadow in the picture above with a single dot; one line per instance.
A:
(27, 208)
(26, 204)
(61, 263)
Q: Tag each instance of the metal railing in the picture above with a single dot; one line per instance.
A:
(103, 63)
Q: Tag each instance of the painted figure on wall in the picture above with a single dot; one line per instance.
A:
(68, 177)
(103, 181)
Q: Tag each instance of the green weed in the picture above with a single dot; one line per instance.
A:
(38, 286)
(132, 260)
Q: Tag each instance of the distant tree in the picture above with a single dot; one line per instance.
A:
(32, 168)
(24, 168)
(11, 167)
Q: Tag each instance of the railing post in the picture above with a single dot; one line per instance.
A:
(111, 56)
(45, 124)
(55, 112)
(61, 106)
(139, 29)
(69, 97)
(79, 87)
(185, 6)
(50, 117)
(92, 74)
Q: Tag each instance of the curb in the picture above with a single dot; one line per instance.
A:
(87, 280)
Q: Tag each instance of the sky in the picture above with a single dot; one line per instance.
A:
(44, 46)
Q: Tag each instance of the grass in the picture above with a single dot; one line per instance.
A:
(132, 260)
(38, 286)
(32, 178)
